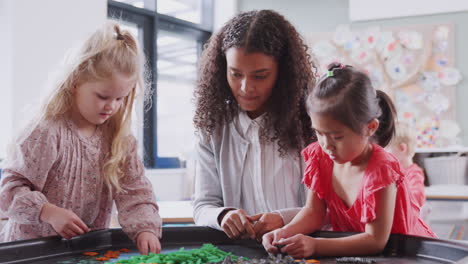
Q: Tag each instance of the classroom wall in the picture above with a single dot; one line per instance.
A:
(223, 11)
(34, 37)
(323, 16)
(6, 120)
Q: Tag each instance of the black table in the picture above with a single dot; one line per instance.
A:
(400, 248)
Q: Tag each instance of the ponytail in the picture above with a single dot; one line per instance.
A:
(386, 130)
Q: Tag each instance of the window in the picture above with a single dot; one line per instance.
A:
(177, 58)
(172, 41)
(194, 11)
(189, 10)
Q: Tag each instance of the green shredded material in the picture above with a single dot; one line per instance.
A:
(208, 253)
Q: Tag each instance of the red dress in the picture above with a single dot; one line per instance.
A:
(415, 177)
(382, 170)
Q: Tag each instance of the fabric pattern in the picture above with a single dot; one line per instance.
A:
(54, 164)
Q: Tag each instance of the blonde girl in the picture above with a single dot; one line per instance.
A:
(64, 172)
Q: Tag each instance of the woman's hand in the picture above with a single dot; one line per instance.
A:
(236, 224)
(65, 222)
(270, 239)
(298, 246)
(265, 223)
(148, 242)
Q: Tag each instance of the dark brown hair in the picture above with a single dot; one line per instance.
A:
(268, 32)
(347, 95)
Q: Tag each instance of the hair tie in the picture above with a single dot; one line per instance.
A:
(118, 36)
(331, 73)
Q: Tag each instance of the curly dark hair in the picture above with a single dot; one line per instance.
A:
(270, 33)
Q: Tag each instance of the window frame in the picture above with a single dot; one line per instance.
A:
(150, 22)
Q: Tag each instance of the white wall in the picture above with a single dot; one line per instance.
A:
(223, 11)
(306, 15)
(35, 37)
(311, 16)
(6, 105)
(372, 9)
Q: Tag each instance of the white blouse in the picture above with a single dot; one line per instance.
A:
(269, 181)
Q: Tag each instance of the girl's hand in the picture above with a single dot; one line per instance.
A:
(270, 240)
(265, 223)
(236, 224)
(148, 242)
(298, 246)
(65, 222)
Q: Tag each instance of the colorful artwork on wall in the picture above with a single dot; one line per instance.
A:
(413, 64)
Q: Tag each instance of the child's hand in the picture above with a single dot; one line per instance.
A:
(65, 222)
(298, 246)
(270, 240)
(148, 242)
(265, 223)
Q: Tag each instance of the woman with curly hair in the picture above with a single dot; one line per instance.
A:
(254, 76)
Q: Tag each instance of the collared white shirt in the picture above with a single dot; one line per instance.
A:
(269, 182)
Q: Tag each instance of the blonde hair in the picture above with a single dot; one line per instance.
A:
(107, 51)
(404, 133)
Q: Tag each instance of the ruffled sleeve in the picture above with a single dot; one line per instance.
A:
(383, 170)
(137, 208)
(415, 177)
(315, 169)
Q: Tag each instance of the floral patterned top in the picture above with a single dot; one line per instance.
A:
(53, 163)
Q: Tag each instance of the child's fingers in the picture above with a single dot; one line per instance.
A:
(76, 229)
(158, 246)
(71, 233)
(62, 234)
(296, 253)
(153, 247)
(272, 249)
(277, 236)
(285, 241)
(289, 246)
(267, 243)
(65, 234)
(143, 247)
(81, 225)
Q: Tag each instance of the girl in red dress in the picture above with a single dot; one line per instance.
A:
(403, 147)
(350, 176)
